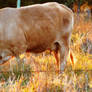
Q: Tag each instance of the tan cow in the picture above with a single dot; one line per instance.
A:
(36, 28)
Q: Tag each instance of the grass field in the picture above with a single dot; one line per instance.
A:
(38, 73)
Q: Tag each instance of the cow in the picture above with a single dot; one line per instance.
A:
(36, 28)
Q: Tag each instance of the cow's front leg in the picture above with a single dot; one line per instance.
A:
(63, 57)
(64, 50)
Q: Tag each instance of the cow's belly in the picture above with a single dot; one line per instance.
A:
(40, 36)
(40, 43)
